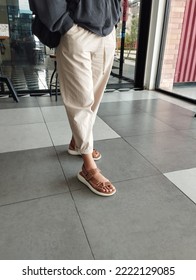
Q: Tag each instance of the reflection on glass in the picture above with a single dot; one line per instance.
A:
(126, 36)
(178, 72)
(25, 60)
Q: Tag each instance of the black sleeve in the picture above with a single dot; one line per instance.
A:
(53, 13)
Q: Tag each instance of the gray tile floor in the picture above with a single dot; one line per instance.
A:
(148, 146)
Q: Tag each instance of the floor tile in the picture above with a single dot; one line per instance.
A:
(71, 166)
(148, 218)
(30, 174)
(20, 116)
(153, 107)
(119, 162)
(135, 124)
(24, 137)
(103, 131)
(9, 103)
(186, 91)
(168, 151)
(183, 119)
(128, 95)
(177, 101)
(49, 101)
(189, 132)
(157, 106)
(46, 213)
(45, 229)
(54, 113)
(61, 133)
(118, 108)
(185, 181)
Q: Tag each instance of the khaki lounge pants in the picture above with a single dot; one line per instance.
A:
(84, 62)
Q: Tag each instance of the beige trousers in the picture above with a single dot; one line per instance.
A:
(84, 62)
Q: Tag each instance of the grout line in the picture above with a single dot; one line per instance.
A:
(67, 181)
(143, 156)
(74, 202)
(32, 199)
(179, 188)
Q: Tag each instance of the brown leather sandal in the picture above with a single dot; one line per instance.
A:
(96, 154)
(100, 188)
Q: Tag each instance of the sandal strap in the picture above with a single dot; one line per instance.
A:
(90, 173)
(72, 144)
(96, 152)
(105, 184)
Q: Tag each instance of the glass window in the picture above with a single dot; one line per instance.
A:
(126, 41)
(178, 64)
(27, 62)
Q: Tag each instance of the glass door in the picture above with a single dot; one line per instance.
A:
(177, 66)
(27, 62)
(123, 71)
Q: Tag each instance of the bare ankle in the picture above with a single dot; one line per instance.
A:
(89, 162)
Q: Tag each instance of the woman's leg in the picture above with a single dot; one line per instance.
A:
(102, 62)
(76, 84)
(79, 58)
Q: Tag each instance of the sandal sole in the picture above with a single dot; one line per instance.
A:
(82, 179)
(75, 153)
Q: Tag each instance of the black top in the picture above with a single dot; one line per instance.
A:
(98, 16)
